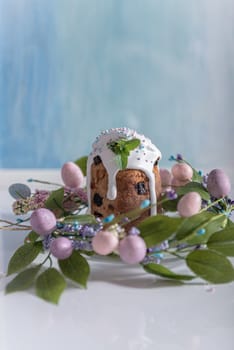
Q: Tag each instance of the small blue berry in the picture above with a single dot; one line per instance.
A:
(108, 218)
(202, 231)
(145, 204)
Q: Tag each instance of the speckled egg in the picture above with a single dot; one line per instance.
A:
(218, 183)
(166, 177)
(178, 183)
(72, 175)
(182, 171)
(189, 204)
(61, 248)
(43, 221)
(105, 242)
(132, 249)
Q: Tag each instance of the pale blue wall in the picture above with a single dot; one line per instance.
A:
(70, 68)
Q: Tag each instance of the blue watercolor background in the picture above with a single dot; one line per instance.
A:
(71, 68)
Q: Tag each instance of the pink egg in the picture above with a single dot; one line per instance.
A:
(182, 171)
(61, 248)
(105, 243)
(43, 221)
(166, 177)
(132, 249)
(189, 204)
(178, 183)
(218, 183)
(72, 175)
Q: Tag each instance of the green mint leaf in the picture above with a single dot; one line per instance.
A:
(124, 161)
(23, 256)
(82, 163)
(81, 219)
(132, 144)
(75, 268)
(223, 242)
(122, 145)
(157, 229)
(23, 280)
(211, 266)
(121, 148)
(121, 161)
(194, 187)
(50, 285)
(190, 227)
(55, 200)
(31, 237)
(160, 270)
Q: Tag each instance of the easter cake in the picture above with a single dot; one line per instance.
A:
(122, 172)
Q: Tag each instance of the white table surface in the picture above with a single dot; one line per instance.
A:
(123, 307)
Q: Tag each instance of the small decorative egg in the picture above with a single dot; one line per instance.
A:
(132, 249)
(182, 171)
(218, 183)
(105, 242)
(43, 221)
(189, 204)
(72, 175)
(61, 248)
(178, 183)
(166, 177)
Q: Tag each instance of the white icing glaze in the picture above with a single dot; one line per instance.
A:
(141, 158)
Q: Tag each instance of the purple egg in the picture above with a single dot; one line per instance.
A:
(72, 175)
(189, 204)
(218, 183)
(43, 221)
(61, 248)
(132, 249)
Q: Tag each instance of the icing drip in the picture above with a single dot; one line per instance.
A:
(141, 158)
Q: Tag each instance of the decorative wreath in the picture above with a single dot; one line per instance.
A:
(194, 226)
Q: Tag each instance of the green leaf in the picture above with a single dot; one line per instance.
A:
(163, 271)
(121, 148)
(23, 280)
(81, 219)
(23, 256)
(211, 266)
(230, 223)
(190, 227)
(55, 200)
(124, 161)
(169, 205)
(82, 163)
(223, 242)
(196, 176)
(31, 237)
(50, 285)
(157, 229)
(132, 144)
(121, 160)
(75, 268)
(194, 187)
